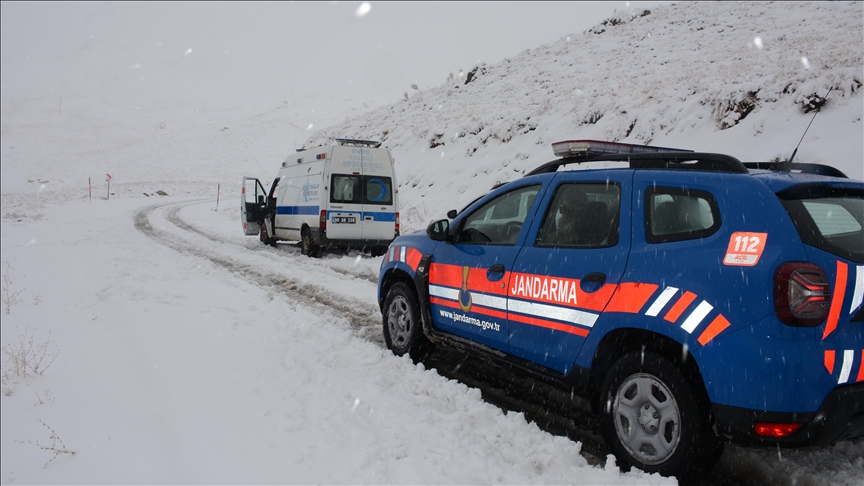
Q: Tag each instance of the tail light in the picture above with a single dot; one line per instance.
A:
(397, 224)
(322, 221)
(801, 294)
(770, 429)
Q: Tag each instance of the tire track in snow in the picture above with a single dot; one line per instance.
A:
(180, 223)
(364, 319)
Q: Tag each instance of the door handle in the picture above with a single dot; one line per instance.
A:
(592, 282)
(495, 272)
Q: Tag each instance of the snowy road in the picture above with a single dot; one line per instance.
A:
(309, 283)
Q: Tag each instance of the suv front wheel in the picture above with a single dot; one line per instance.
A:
(403, 331)
(653, 419)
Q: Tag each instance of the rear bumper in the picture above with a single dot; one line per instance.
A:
(840, 417)
(320, 239)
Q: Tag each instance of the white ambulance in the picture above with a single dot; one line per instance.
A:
(335, 196)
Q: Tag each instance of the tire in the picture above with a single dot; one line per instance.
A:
(378, 251)
(403, 330)
(265, 236)
(654, 420)
(307, 246)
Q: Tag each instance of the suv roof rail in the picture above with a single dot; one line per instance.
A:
(363, 143)
(818, 169)
(658, 160)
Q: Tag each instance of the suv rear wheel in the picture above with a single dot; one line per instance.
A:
(653, 419)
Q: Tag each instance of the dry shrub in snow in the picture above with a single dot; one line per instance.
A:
(10, 298)
(27, 356)
(53, 448)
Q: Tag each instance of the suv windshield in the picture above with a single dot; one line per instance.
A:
(830, 219)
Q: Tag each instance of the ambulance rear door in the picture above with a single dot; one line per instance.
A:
(345, 203)
(379, 196)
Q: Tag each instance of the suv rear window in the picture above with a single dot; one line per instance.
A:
(830, 219)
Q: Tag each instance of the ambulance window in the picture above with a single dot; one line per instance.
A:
(499, 221)
(679, 214)
(378, 190)
(582, 215)
(345, 188)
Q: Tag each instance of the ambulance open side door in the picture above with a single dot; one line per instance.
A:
(253, 205)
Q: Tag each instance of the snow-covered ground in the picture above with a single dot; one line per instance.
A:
(181, 351)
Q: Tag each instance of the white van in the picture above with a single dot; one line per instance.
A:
(341, 196)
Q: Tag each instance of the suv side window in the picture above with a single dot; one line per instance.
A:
(499, 221)
(582, 215)
(674, 214)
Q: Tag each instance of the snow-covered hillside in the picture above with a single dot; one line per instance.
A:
(731, 77)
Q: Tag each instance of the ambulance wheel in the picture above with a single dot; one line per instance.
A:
(378, 251)
(654, 420)
(307, 246)
(403, 331)
(265, 236)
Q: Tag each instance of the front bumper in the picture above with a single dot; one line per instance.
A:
(840, 417)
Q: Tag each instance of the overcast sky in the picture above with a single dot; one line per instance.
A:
(371, 52)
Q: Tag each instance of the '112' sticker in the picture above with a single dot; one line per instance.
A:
(745, 249)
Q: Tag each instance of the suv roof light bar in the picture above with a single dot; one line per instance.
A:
(658, 160)
(818, 169)
(584, 148)
(363, 143)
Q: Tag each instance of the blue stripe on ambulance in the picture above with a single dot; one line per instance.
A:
(303, 210)
(376, 216)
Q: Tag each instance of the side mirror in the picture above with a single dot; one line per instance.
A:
(452, 214)
(261, 200)
(438, 230)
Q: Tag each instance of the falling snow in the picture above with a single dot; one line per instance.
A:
(188, 353)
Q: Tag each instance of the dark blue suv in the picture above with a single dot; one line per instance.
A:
(691, 297)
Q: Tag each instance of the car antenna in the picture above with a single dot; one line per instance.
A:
(808, 125)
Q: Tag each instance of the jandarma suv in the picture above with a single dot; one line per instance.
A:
(693, 298)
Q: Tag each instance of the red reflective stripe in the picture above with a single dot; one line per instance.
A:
(489, 312)
(533, 321)
(443, 274)
(630, 297)
(836, 300)
(479, 310)
(445, 303)
(412, 258)
(479, 282)
(716, 327)
(861, 368)
(829, 361)
(676, 310)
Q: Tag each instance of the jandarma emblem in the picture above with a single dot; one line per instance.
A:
(464, 294)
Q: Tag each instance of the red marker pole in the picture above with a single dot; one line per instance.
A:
(218, 190)
(109, 187)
